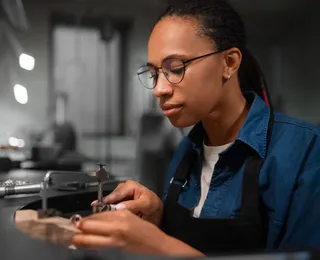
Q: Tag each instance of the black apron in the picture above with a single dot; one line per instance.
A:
(246, 234)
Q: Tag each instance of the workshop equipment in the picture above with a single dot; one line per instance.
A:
(101, 175)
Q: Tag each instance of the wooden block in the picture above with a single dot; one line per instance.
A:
(23, 215)
(56, 230)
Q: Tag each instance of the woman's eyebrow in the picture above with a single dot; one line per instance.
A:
(171, 56)
(150, 64)
(175, 55)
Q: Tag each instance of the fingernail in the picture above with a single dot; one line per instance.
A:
(120, 206)
(73, 247)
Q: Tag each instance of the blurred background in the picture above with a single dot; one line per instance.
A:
(70, 97)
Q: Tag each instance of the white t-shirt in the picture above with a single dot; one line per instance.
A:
(210, 158)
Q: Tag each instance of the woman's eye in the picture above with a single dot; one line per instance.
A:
(176, 69)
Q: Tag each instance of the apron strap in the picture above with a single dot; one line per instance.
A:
(251, 204)
(250, 188)
(181, 176)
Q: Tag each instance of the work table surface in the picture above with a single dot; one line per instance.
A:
(16, 245)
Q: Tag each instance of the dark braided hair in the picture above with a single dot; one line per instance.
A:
(220, 23)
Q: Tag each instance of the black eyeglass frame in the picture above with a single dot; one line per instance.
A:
(185, 64)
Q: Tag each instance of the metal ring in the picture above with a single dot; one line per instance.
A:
(75, 218)
(185, 183)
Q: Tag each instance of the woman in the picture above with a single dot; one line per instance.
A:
(245, 179)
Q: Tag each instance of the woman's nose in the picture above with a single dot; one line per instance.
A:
(162, 87)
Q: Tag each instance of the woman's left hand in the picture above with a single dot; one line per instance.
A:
(122, 229)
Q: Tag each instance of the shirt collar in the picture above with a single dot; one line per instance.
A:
(253, 132)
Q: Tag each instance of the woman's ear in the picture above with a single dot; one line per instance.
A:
(232, 61)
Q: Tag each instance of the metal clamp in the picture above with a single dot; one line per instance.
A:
(46, 183)
(101, 174)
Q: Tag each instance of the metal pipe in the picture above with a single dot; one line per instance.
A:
(23, 189)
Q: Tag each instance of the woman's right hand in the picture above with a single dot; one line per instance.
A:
(138, 199)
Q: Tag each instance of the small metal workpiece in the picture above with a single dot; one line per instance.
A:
(107, 207)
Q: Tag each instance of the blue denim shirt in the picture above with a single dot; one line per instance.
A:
(289, 180)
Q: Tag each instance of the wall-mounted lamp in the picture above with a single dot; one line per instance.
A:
(26, 61)
(20, 94)
(16, 142)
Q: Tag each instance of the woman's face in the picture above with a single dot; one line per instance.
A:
(200, 92)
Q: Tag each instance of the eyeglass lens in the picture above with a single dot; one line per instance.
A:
(173, 70)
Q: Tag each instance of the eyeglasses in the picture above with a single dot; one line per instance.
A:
(172, 68)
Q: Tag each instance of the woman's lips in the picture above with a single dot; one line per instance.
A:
(171, 109)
